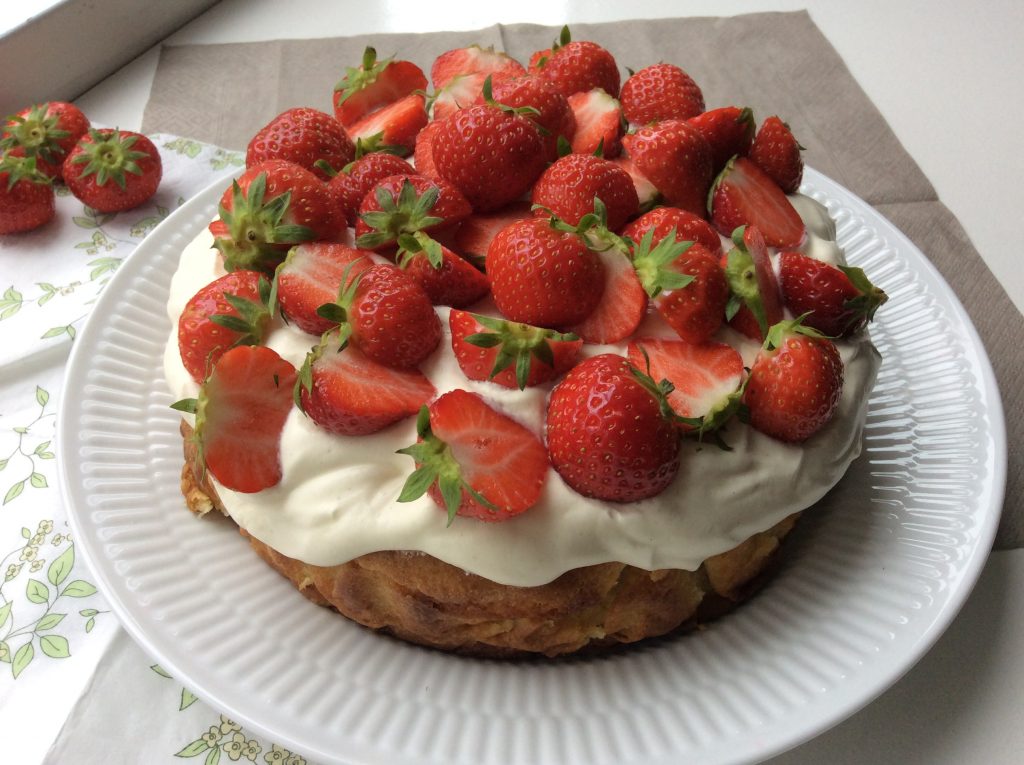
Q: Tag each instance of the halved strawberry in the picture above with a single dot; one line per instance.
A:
(510, 354)
(397, 124)
(474, 235)
(230, 311)
(674, 156)
(240, 414)
(374, 84)
(837, 301)
(743, 194)
(345, 392)
(423, 154)
(728, 131)
(705, 378)
(475, 461)
(756, 303)
(776, 151)
(660, 92)
(646, 193)
(451, 281)
(599, 123)
(622, 306)
(312, 275)
(473, 59)
(686, 226)
(460, 91)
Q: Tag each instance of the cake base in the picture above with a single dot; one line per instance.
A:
(423, 600)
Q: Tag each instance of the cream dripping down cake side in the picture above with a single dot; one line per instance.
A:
(561, 378)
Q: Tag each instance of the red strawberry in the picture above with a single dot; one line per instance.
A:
(401, 208)
(475, 461)
(542, 275)
(572, 67)
(553, 113)
(345, 392)
(705, 378)
(646, 194)
(373, 85)
(598, 123)
(795, 383)
(838, 301)
(472, 59)
(423, 155)
(113, 170)
(451, 281)
(686, 284)
(743, 194)
(461, 91)
(510, 354)
(240, 415)
(490, 153)
(45, 132)
(756, 303)
(386, 314)
(313, 274)
(569, 187)
(396, 124)
(729, 131)
(668, 220)
(660, 92)
(303, 136)
(26, 195)
(777, 152)
(270, 207)
(358, 178)
(230, 311)
(474, 235)
(674, 156)
(610, 432)
(622, 306)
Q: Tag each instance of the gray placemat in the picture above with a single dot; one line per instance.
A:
(776, 63)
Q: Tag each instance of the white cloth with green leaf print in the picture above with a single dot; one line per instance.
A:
(62, 653)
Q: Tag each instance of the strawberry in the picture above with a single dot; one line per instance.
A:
(622, 305)
(303, 136)
(838, 301)
(452, 281)
(510, 354)
(598, 123)
(743, 194)
(396, 124)
(674, 156)
(401, 207)
(570, 185)
(660, 92)
(270, 207)
(553, 114)
(113, 170)
(543, 275)
(26, 195)
(461, 91)
(490, 152)
(646, 194)
(729, 131)
(345, 392)
(610, 432)
(230, 311)
(472, 59)
(795, 383)
(45, 132)
(240, 415)
(686, 283)
(357, 178)
(386, 314)
(705, 378)
(777, 152)
(373, 85)
(571, 67)
(671, 220)
(423, 154)
(474, 461)
(755, 303)
(313, 274)
(474, 235)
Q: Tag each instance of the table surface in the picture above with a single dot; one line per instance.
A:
(939, 74)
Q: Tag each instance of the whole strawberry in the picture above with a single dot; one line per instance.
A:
(777, 152)
(684, 225)
(113, 170)
(571, 66)
(26, 195)
(305, 137)
(403, 207)
(569, 187)
(795, 383)
(838, 301)
(553, 113)
(357, 178)
(660, 92)
(610, 432)
(45, 132)
(674, 156)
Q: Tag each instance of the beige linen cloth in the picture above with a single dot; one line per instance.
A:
(778, 63)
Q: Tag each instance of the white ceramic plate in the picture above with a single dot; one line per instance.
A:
(867, 588)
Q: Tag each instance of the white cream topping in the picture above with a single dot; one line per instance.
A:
(337, 497)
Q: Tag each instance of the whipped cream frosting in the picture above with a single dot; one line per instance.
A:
(337, 497)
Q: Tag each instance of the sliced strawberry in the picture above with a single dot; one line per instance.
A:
(776, 151)
(474, 236)
(510, 354)
(312, 275)
(347, 393)
(475, 461)
(452, 281)
(743, 194)
(622, 306)
(756, 303)
(240, 414)
(668, 220)
(423, 154)
(646, 193)
(569, 187)
(598, 123)
(837, 301)
(397, 123)
(473, 59)
(674, 156)
(460, 91)
(372, 85)
(705, 378)
(728, 131)
(660, 92)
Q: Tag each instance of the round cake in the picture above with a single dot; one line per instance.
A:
(583, 562)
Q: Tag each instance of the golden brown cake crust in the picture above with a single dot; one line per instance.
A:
(419, 598)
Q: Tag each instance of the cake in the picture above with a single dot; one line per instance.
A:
(571, 558)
